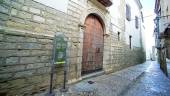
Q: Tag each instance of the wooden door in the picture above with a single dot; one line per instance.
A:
(92, 45)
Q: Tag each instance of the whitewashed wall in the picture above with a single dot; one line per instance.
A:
(56, 4)
(130, 25)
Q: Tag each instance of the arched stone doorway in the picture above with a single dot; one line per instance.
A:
(93, 43)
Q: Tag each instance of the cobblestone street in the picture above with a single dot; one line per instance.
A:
(140, 80)
(152, 83)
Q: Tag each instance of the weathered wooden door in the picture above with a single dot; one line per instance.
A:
(92, 45)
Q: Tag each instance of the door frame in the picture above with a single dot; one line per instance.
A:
(103, 29)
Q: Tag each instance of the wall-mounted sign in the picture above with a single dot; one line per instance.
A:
(60, 49)
(58, 57)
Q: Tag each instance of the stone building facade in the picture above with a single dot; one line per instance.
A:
(162, 32)
(27, 28)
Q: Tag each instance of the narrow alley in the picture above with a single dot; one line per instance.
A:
(152, 83)
(84, 47)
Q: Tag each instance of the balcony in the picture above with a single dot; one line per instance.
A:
(106, 3)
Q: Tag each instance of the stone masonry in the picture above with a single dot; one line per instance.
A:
(26, 33)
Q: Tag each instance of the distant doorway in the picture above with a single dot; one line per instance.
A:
(93, 42)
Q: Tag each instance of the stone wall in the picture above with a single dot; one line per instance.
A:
(118, 55)
(167, 42)
(25, 63)
(26, 33)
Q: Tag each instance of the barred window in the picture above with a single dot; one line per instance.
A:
(136, 22)
(142, 17)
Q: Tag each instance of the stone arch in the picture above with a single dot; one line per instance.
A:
(98, 14)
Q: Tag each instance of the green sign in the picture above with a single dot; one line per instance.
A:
(60, 49)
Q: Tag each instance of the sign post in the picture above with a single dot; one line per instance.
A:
(58, 57)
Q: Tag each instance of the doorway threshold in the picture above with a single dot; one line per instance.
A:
(94, 74)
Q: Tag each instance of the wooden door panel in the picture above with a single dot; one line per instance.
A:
(92, 59)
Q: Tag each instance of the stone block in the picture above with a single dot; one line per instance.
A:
(24, 74)
(2, 23)
(18, 83)
(20, 1)
(50, 21)
(24, 15)
(1, 37)
(14, 12)
(15, 25)
(47, 46)
(7, 69)
(45, 41)
(73, 60)
(25, 8)
(16, 4)
(10, 38)
(3, 86)
(28, 60)
(18, 20)
(33, 40)
(6, 2)
(43, 70)
(44, 58)
(4, 9)
(35, 10)
(35, 65)
(22, 53)
(20, 39)
(5, 76)
(38, 18)
(28, 46)
(40, 52)
(2, 60)
(36, 4)
(12, 60)
(34, 79)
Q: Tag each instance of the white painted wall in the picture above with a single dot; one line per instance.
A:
(118, 18)
(117, 15)
(60, 5)
(130, 25)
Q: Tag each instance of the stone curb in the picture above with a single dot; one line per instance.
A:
(130, 84)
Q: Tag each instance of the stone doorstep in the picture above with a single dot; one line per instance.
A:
(92, 75)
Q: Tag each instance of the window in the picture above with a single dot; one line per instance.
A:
(118, 34)
(130, 42)
(142, 17)
(136, 22)
(128, 12)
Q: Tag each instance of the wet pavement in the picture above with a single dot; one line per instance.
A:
(141, 80)
(152, 83)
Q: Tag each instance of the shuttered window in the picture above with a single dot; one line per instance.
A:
(128, 12)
